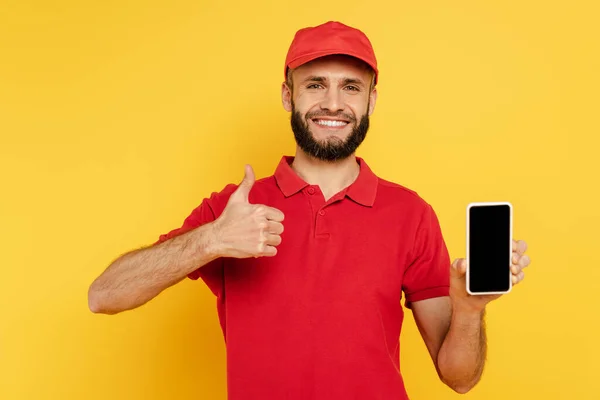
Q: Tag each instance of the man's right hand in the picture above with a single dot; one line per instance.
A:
(243, 230)
(247, 230)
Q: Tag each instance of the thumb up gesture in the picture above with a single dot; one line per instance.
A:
(248, 230)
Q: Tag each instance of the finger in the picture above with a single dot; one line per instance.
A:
(519, 247)
(515, 258)
(459, 267)
(243, 191)
(273, 240)
(274, 214)
(515, 269)
(274, 227)
(518, 278)
(524, 261)
(269, 251)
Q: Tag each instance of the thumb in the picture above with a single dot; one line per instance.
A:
(243, 190)
(459, 268)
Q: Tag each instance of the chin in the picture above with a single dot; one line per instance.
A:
(327, 134)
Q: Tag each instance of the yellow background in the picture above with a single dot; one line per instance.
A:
(118, 117)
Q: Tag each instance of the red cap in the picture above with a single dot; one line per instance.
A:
(328, 39)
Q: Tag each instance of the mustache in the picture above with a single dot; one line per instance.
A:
(324, 113)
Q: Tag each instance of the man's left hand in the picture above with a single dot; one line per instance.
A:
(462, 300)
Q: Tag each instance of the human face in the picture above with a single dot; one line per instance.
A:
(331, 100)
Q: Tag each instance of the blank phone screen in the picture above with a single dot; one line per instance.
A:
(489, 248)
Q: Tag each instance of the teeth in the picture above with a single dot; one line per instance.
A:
(330, 123)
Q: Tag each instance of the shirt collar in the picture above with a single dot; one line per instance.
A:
(363, 190)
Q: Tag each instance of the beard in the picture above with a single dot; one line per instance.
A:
(333, 148)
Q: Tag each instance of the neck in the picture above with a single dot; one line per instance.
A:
(331, 176)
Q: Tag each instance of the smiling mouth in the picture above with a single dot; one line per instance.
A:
(330, 123)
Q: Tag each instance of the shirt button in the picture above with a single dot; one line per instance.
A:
(311, 190)
(322, 212)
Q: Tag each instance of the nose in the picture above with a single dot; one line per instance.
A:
(332, 101)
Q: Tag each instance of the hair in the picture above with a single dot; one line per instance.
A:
(288, 79)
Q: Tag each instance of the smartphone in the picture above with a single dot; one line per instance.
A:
(489, 247)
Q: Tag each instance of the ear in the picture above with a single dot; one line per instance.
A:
(372, 101)
(286, 97)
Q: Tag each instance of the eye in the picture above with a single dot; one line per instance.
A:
(353, 88)
(314, 86)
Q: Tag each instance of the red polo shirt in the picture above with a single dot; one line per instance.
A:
(322, 319)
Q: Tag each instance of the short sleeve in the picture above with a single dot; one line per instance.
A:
(211, 273)
(428, 275)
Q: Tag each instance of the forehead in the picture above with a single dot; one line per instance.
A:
(335, 66)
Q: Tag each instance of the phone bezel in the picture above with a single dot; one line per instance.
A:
(486, 204)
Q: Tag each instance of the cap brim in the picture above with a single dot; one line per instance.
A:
(313, 56)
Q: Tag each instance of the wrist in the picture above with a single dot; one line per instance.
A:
(210, 233)
(465, 310)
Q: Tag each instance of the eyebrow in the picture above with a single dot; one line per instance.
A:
(315, 78)
(345, 81)
(354, 81)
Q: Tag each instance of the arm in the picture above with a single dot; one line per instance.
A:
(455, 340)
(140, 275)
(453, 327)
(243, 230)
(462, 356)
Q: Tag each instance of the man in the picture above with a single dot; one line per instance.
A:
(314, 312)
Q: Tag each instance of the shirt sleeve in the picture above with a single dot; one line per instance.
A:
(211, 273)
(428, 275)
